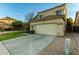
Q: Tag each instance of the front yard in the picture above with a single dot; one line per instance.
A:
(10, 35)
(38, 43)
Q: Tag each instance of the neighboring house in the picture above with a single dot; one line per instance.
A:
(7, 20)
(5, 23)
(76, 23)
(75, 26)
(51, 21)
(4, 26)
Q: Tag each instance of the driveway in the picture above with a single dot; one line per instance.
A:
(31, 44)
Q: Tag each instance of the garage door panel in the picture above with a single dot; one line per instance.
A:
(46, 29)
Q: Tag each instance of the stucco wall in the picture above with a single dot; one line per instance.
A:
(58, 21)
(59, 28)
(77, 19)
(7, 21)
(53, 11)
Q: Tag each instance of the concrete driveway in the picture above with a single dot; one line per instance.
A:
(31, 44)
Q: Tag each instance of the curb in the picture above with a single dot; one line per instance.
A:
(3, 50)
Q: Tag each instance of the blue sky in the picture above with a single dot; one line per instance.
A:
(18, 10)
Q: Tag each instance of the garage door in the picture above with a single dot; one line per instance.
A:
(50, 29)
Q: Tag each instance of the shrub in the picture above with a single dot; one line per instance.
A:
(28, 31)
(32, 32)
(18, 25)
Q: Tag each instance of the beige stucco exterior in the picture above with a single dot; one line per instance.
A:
(53, 11)
(50, 27)
(54, 21)
(7, 20)
(5, 23)
(76, 23)
(53, 26)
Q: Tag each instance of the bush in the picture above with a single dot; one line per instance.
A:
(32, 32)
(18, 25)
(28, 31)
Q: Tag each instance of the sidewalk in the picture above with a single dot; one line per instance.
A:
(56, 47)
(3, 50)
(7, 32)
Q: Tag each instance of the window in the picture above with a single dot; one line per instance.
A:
(59, 12)
(40, 16)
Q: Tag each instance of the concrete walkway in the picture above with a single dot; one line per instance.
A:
(74, 38)
(56, 47)
(3, 50)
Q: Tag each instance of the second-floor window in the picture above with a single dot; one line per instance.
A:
(40, 16)
(59, 12)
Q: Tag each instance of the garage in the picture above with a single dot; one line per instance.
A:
(50, 29)
(49, 26)
(51, 21)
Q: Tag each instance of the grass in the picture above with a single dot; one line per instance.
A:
(11, 35)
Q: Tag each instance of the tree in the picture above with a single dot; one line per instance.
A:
(17, 24)
(69, 24)
(28, 17)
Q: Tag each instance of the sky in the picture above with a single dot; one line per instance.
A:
(19, 10)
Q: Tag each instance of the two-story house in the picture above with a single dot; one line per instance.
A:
(51, 21)
(5, 22)
(76, 23)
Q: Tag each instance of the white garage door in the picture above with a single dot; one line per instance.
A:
(50, 29)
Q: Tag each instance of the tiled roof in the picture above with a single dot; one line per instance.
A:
(53, 8)
(6, 18)
(51, 17)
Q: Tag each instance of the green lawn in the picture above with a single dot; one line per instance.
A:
(11, 35)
